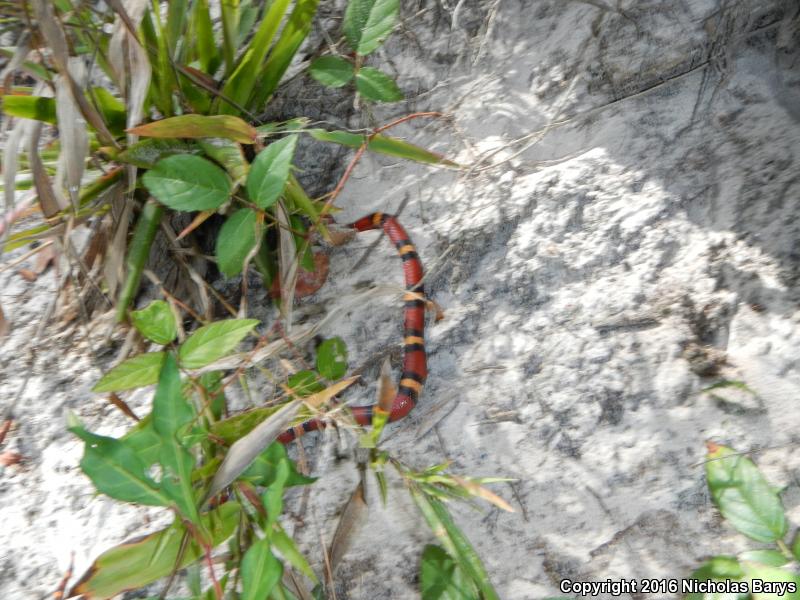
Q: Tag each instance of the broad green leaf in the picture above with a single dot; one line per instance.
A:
(261, 571)
(213, 341)
(272, 498)
(38, 108)
(367, 23)
(186, 182)
(236, 239)
(177, 13)
(171, 411)
(264, 468)
(135, 372)
(141, 561)
(148, 152)
(270, 171)
(156, 322)
(229, 154)
(376, 85)
(233, 428)
(144, 441)
(116, 470)
(772, 558)
(289, 41)
(288, 549)
(305, 383)
(199, 126)
(436, 574)
(332, 71)
(229, 13)
(718, 568)
(743, 496)
(240, 84)
(771, 583)
(382, 144)
(332, 358)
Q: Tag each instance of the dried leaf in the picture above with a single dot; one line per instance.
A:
(27, 275)
(247, 448)
(479, 491)
(287, 265)
(307, 282)
(71, 131)
(5, 326)
(10, 458)
(386, 389)
(353, 517)
(48, 200)
(122, 405)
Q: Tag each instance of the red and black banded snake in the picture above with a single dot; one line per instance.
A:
(415, 369)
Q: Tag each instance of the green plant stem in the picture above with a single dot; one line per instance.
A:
(139, 251)
(784, 549)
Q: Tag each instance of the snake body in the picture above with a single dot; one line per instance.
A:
(415, 369)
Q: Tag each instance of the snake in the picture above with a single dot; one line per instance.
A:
(415, 368)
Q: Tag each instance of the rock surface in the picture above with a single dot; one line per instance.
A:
(625, 236)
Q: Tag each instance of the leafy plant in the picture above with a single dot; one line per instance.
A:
(176, 129)
(753, 507)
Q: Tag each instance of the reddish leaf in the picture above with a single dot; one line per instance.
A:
(307, 283)
(199, 126)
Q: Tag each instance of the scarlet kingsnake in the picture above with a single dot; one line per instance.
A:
(415, 368)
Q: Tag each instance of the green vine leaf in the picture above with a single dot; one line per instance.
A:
(236, 240)
(212, 342)
(270, 171)
(367, 23)
(156, 322)
(186, 182)
(332, 71)
(135, 372)
(376, 85)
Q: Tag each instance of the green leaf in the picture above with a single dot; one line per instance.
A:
(305, 383)
(135, 372)
(199, 126)
(229, 154)
(38, 108)
(293, 34)
(203, 29)
(236, 240)
(367, 23)
(376, 85)
(264, 468)
(743, 496)
(148, 152)
(171, 411)
(144, 441)
(141, 561)
(272, 498)
(436, 573)
(718, 568)
(766, 557)
(261, 571)
(233, 428)
(138, 253)
(156, 322)
(116, 470)
(240, 84)
(770, 583)
(288, 549)
(382, 144)
(212, 342)
(112, 109)
(186, 182)
(332, 71)
(332, 358)
(454, 541)
(269, 172)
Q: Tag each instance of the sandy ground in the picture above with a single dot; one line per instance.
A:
(627, 236)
